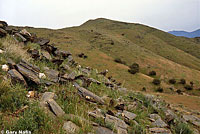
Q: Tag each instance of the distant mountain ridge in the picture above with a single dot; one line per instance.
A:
(186, 34)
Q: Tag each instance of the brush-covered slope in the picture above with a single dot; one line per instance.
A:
(43, 89)
(104, 40)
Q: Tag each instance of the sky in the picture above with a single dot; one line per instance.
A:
(165, 15)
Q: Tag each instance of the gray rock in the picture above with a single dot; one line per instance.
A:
(121, 131)
(33, 68)
(159, 131)
(157, 121)
(48, 95)
(28, 74)
(70, 127)
(16, 77)
(3, 33)
(57, 61)
(11, 64)
(46, 55)
(3, 24)
(129, 115)
(88, 95)
(193, 119)
(103, 130)
(170, 115)
(62, 54)
(55, 108)
(42, 41)
(96, 114)
(118, 123)
(51, 74)
(20, 37)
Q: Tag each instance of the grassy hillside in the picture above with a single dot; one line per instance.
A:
(83, 96)
(152, 49)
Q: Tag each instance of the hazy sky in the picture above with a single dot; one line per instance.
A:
(162, 14)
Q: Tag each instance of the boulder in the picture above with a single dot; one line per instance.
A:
(48, 95)
(28, 74)
(34, 53)
(49, 48)
(20, 37)
(157, 121)
(192, 119)
(33, 68)
(129, 115)
(3, 24)
(3, 33)
(52, 75)
(88, 95)
(46, 55)
(169, 115)
(55, 108)
(96, 114)
(42, 41)
(70, 127)
(16, 77)
(119, 124)
(159, 131)
(103, 130)
(57, 61)
(11, 64)
(62, 54)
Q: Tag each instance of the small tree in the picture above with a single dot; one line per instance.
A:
(172, 81)
(182, 81)
(156, 82)
(134, 68)
(159, 89)
(152, 73)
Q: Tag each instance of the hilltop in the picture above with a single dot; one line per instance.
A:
(193, 34)
(62, 74)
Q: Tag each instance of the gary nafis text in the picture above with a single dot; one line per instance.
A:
(15, 132)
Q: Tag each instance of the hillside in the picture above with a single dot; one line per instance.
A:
(119, 102)
(186, 34)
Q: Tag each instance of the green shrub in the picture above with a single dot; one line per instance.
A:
(32, 119)
(152, 73)
(11, 98)
(182, 81)
(172, 81)
(182, 128)
(156, 82)
(188, 87)
(134, 68)
(159, 89)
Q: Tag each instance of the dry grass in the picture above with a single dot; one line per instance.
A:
(14, 48)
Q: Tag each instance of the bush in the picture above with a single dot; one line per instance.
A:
(32, 119)
(159, 89)
(118, 60)
(152, 73)
(11, 98)
(188, 87)
(156, 82)
(179, 91)
(182, 81)
(134, 68)
(182, 128)
(172, 81)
